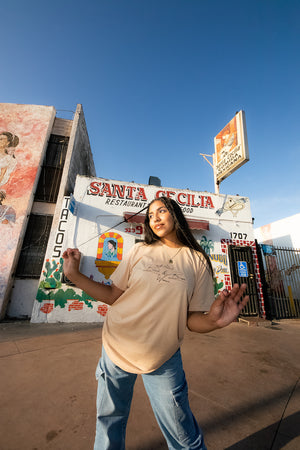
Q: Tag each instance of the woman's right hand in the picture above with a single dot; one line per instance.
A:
(98, 291)
(71, 258)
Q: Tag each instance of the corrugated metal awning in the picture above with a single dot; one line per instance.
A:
(194, 224)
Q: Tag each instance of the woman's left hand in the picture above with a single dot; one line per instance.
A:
(227, 306)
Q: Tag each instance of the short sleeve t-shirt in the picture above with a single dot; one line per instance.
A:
(145, 326)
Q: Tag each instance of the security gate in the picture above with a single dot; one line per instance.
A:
(242, 271)
(282, 275)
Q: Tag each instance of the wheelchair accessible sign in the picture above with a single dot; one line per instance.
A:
(243, 269)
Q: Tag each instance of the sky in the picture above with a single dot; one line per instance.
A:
(159, 79)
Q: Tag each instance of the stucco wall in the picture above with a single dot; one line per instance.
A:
(99, 218)
(79, 159)
(282, 233)
(20, 161)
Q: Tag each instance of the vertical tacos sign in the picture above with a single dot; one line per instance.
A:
(24, 132)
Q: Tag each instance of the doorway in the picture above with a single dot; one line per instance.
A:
(242, 271)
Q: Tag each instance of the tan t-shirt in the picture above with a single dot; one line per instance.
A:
(146, 325)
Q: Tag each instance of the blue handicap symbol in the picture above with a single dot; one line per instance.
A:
(243, 269)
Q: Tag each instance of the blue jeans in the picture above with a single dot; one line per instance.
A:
(168, 393)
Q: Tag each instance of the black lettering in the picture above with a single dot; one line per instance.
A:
(57, 249)
(59, 238)
(64, 214)
(60, 223)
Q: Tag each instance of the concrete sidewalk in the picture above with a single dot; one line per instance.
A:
(242, 385)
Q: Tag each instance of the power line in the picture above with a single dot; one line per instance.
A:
(114, 226)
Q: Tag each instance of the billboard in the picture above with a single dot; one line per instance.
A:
(231, 147)
(24, 132)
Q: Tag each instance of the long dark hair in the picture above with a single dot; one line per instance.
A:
(183, 231)
(12, 138)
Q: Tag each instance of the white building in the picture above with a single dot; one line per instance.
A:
(40, 155)
(282, 233)
(107, 220)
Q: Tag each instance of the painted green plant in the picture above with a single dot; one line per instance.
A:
(217, 286)
(208, 246)
(52, 274)
(61, 297)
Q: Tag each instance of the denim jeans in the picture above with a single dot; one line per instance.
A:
(168, 393)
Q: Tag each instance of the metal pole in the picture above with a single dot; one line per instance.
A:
(213, 165)
(217, 184)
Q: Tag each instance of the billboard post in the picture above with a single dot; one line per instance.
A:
(213, 167)
(216, 182)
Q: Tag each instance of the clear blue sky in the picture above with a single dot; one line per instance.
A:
(158, 79)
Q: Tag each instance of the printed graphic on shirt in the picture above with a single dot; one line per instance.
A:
(164, 273)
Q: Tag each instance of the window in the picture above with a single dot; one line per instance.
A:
(34, 246)
(50, 177)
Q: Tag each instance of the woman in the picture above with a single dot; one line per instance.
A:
(112, 249)
(8, 142)
(160, 287)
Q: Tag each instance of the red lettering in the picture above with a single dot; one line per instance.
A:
(179, 198)
(139, 229)
(106, 190)
(94, 188)
(158, 194)
(193, 202)
(209, 203)
(188, 203)
(202, 202)
(170, 194)
(141, 194)
(119, 191)
(130, 190)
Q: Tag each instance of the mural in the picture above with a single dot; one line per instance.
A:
(61, 297)
(52, 274)
(109, 254)
(54, 294)
(221, 271)
(207, 245)
(24, 131)
(8, 143)
(218, 286)
(219, 263)
(233, 205)
(102, 205)
(7, 212)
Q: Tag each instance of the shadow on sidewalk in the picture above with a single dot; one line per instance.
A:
(273, 437)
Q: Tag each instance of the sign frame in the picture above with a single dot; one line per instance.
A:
(231, 148)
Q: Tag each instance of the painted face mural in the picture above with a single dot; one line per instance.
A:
(109, 253)
(24, 132)
(8, 142)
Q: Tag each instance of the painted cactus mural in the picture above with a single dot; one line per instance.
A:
(52, 273)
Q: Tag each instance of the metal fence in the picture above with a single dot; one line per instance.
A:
(282, 281)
